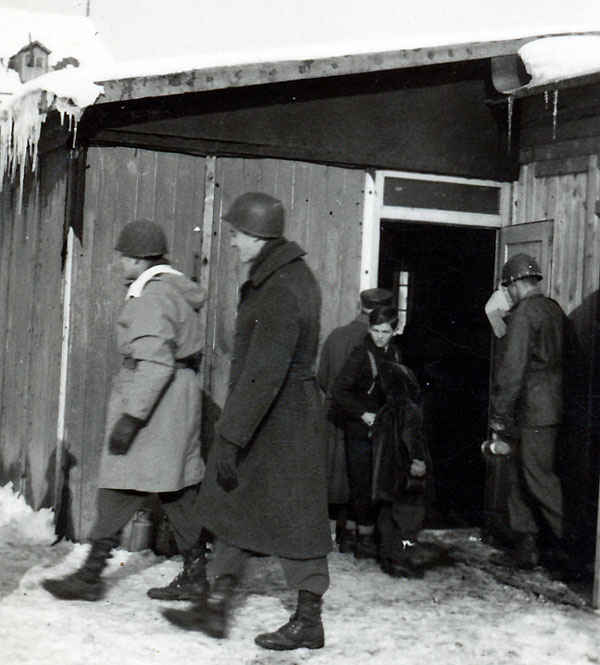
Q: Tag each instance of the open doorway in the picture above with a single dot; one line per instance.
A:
(442, 277)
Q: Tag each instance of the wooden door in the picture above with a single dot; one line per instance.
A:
(535, 239)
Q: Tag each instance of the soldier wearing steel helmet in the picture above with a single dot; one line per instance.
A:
(152, 442)
(265, 488)
(527, 408)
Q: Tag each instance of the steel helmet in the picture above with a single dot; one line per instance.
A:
(142, 239)
(518, 267)
(257, 214)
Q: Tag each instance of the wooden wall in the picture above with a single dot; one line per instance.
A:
(560, 180)
(324, 207)
(566, 191)
(31, 244)
(121, 185)
(186, 194)
(429, 119)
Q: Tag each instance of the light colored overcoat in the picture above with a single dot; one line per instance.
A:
(155, 330)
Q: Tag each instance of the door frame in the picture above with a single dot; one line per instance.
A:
(375, 210)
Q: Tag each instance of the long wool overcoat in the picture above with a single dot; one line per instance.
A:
(154, 330)
(273, 414)
(334, 353)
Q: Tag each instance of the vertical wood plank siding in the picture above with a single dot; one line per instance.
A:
(30, 328)
(323, 214)
(122, 184)
(566, 193)
(569, 199)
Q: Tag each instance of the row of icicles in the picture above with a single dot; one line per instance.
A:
(546, 102)
(20, 130)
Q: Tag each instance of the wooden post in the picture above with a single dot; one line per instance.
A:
(205, 233)
(370, 232)
(596, 592)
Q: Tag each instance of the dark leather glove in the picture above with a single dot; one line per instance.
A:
(123, 433)
(226, 464)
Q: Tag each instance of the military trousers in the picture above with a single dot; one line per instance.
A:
(300, 574)
(535, 490)
(115, 507)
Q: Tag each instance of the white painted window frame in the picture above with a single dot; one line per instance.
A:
(374, 211)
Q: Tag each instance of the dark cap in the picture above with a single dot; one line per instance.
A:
(371, 298)
(257, 214)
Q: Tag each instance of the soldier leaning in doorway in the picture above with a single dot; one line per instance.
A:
(336, 349)
(527, 409)
(153, 422)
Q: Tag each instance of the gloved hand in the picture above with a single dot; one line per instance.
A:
(497, 426)
(123, 433)
(226, 464)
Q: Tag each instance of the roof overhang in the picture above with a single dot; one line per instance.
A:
(260, 73)
(557, 84)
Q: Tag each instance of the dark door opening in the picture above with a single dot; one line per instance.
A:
(442, 277)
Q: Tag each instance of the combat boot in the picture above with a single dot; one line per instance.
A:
(347, 541)
(85, 583)
(401, 566)
(190, 583)
(525, 556)
(366, 546)
(210, 617)
(303, 630)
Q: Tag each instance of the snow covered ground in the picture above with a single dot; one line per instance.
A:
(456, 615)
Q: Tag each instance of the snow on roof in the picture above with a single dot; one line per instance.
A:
(9, 81)
(67, 90)
(63, 35)
(335, 48)
(558, 58)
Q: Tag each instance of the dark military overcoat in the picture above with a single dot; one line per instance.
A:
(272, 413)
(336, 349)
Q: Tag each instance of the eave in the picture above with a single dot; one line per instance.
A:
(260, 73)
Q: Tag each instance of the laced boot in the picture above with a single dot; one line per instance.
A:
(347, 541)
(525, 556)
(401, 565)
(190, 583)
(365, 547)
(303, 630)
(85, 583)
(211, 616)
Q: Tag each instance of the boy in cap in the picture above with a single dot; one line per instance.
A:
(336, 349)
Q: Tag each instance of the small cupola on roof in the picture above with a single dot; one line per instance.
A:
(30, 61)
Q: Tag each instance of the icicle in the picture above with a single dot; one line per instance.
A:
(554, 114)
(510, 115)
(20, 129)
(546, 99)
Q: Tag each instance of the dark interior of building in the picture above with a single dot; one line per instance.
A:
(447, 342)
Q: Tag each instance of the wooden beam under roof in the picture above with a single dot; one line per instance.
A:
(232, 76)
